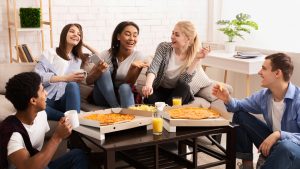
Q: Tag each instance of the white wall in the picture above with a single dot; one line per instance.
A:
(278, 23)
(156, 19)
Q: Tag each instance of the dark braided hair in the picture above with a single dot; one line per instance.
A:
(21, 88)
(115, 44)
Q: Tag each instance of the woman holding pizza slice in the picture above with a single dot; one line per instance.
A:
(174, 65)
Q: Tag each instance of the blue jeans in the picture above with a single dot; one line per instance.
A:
(104, 93)
(74, 159)
(55, 109)
(283, 154)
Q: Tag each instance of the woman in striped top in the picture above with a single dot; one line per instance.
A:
(174, 66)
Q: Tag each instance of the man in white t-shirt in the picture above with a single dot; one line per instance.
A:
(278, 139)
(22, 135)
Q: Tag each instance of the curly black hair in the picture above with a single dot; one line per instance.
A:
(21, 88)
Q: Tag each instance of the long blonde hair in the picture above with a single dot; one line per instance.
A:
(188, 28)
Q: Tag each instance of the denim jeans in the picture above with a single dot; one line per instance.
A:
(74, 159)
(104, 93)
(55, 109)
(283, 154)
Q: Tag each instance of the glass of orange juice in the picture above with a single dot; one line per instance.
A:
(157, 124)
(177, 101)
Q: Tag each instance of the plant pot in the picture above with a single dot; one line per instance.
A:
(229, 47)
(30, 17)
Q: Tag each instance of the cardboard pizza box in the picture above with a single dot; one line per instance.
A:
(98, 131)
(170, 124)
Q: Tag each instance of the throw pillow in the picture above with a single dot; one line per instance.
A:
(199, 80)
(206, 92)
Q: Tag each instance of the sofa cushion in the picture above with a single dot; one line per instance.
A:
(200, 102)
(206, 92)
(6, 108)
(199, 80)
(8, 70)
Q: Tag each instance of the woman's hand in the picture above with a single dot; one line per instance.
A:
(202, 53)
(147, 90)
(140, 64)
(101, 66)
(74, 77)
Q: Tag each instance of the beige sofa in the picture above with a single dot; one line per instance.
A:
(203, 98)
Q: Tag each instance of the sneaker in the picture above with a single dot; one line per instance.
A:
(241, 166)
(260, 161)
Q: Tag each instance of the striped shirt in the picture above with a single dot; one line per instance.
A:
(197, 80)
(160, 63)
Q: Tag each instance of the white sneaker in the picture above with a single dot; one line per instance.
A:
(241, 166)
(260, 161)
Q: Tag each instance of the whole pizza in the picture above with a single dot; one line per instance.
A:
(195, 113)
(108, 119)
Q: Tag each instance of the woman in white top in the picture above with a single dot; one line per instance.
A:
(118, 68)
(60, 71)
(174, 66)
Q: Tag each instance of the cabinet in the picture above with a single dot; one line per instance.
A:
(14, 28)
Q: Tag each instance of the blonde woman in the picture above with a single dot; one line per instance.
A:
(174, 66)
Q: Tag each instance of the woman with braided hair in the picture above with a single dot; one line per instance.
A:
(118, 68)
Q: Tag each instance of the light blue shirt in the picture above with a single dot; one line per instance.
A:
(260, 103)
(51, 64)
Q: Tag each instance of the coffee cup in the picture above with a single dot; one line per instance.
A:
(72, 116)
(83, 72)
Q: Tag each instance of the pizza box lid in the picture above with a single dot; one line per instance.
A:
(141, 119)
(220, 121)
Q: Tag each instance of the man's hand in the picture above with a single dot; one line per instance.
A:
(268, 143)
(63, 129)
(221, 93)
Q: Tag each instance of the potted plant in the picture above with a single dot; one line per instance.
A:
(235, 28)
(30, 17)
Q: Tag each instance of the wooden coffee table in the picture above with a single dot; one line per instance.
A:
(141, 149)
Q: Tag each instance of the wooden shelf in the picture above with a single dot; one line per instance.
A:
(14, 28)
(30, 29)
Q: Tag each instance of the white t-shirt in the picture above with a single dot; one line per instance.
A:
(36, 133)
(277, 112)
(173, 71)
(123, 66)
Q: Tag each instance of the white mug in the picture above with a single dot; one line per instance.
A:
(83, 72)
(72, 115)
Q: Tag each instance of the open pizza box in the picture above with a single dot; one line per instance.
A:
(170, 123)
(97, 130)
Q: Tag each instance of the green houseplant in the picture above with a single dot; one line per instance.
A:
(30, 17)
(236, 27)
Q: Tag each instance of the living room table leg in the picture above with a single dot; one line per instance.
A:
(181, 148)
(156, 156)
(230, 147)
(195, 153)
(110, 159)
